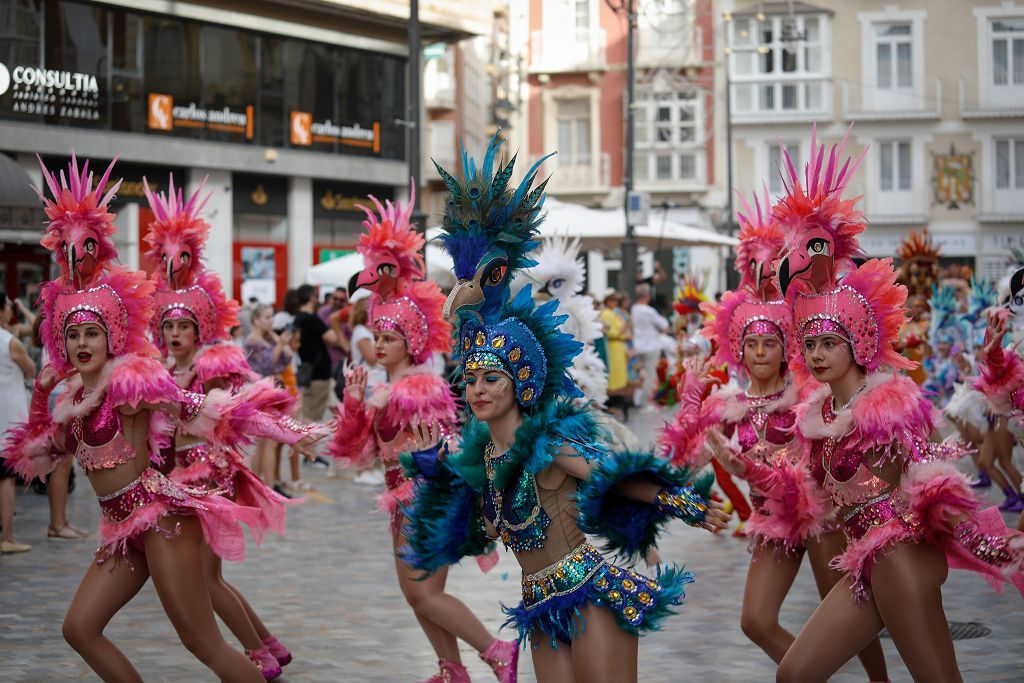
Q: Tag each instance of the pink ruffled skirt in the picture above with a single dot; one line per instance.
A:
(919, 511)
(398, 493)
(131, 511)
(224, 471)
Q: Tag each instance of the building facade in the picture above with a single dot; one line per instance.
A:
(935, 90)
(291, 114)
(574, 102)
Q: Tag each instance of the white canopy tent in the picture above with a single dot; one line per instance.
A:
(337, 272)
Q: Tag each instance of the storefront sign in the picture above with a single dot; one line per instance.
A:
(50, 92)
(164, 115)
(331, 199)
(305, 132)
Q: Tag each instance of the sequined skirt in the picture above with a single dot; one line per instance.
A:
(205, 467)
(131, 511)
(554, 597)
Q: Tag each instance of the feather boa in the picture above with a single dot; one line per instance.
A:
(29, 451)
(794, 510)
(1001, 380)
(630, 527)
(419, 396)
(683, 440)
(890, 417)
(537, 440)
(353, 441)
(222, 361)
(443, 523)
(968, 405)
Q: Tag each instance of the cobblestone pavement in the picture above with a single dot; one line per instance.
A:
(327, 590)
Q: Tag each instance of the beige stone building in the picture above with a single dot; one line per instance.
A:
(935, 89)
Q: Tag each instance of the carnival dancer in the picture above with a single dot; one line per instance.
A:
(919, 272)
(751, 433)
(531, 468)
(947, 337)
(118, 406)
(191, 328)
(907, 515)
(409, 327)
(1002, 372)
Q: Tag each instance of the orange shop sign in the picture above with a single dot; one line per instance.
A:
(164, 115)
(304, 131)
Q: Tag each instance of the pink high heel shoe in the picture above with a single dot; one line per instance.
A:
(280, 652)
(265, 662)
(503, 658)
(451, 672)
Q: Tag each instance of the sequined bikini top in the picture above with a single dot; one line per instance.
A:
(97, 439)
(516, 511)
(846, 475)
(761, 427)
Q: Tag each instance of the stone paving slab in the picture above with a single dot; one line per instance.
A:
(328, 591)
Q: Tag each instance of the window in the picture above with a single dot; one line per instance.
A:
(581, 20)
(574, 132)
(893, 60)
(669, 135)
(894, 166)
(778, 64)
(1010, 164)
(777, 164)
(1008, 51)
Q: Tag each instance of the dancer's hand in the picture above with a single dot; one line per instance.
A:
(425, 436)
(715, 517)
(725, 455)
(50, 377)
(998, 326)
(355, 382)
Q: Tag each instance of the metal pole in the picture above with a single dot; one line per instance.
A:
(731, 278)
(415, 95)
(627, 281)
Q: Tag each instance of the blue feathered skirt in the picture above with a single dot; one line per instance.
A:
(554, 597)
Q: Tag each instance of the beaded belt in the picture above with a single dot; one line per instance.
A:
(151, 485)
(562, 577)
(877, 512)
(192, 453)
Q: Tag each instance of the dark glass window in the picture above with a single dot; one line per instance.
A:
(229, 82)
(20, 31)
(171, 51)
(75, 55)
(271, 117)
(127, 97)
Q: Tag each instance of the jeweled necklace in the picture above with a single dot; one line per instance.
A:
(847, 404)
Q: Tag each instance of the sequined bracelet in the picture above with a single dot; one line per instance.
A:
(989, 549)
(682, 502)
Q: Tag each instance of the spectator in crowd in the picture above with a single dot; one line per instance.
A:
(363, 350)
(314, 374)
(616, 335)
(648, 328)
(335, 314)
(286, 316)
(15, 368)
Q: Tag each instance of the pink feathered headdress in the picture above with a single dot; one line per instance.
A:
(821, 227)
(184, 288)
(866, 309)
(740, 313)
(761, 241)
(417, 316)
(392, 250)
(80, 229)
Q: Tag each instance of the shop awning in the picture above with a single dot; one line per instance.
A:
(604, 229)
(21, 216)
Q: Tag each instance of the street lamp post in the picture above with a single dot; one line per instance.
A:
(629, 247)
(413, 120)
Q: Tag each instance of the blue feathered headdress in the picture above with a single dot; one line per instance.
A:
(489, 227)
(946, 325)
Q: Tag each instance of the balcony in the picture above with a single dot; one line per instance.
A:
(552, 51)
(662, 48)
(897, 106)
(572, 179)
(996, 103)
(796, 99)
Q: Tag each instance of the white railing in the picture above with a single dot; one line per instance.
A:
(561, 49)
(896, 105)
(790, 99)
(576, 178)
(975, 105)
